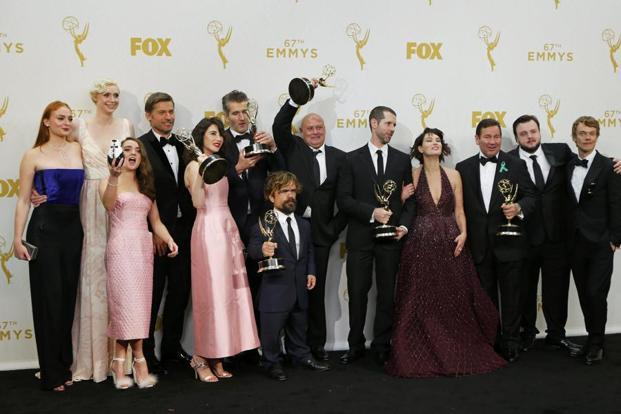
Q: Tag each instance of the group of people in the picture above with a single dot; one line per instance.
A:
(456, 279)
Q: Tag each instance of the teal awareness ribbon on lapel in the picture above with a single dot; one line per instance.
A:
(503, 167)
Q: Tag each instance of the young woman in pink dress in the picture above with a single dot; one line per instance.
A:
(128, 195)
(222, 312)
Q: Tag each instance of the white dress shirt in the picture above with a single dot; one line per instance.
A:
(580, 173)
(282, 219)
(541, 160)
(487, 173)
(373, 150)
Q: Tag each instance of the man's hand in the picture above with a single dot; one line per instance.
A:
(381, 216)
(37, 199)
(401, 231)
(511, 210)
(269, 248)
(407, 192)
(311, 280)
(616, 165)
(265, 139)
(160, 246)
(244, 163)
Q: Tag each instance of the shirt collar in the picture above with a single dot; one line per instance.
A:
(158, 136)
(235, 133)
(374, 149)
(525, 154)
(322, 148)
(282, 217)
(589, 157)
(484, 156)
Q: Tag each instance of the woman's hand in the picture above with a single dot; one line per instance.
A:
(115, 167)
(173, 248)
(460, 241)
(407, 192)
(20, 251)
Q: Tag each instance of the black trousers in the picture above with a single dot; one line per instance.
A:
(177, 272)
(549, 258)
(57, 232)
(505, 277)
(359, 282)
(316, 334)
(591, 265)
(294, 324)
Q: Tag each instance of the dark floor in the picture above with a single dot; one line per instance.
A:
(542, 381)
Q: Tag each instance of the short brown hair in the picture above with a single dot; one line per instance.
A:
(155, 98)
(587, 121)
(277, 180)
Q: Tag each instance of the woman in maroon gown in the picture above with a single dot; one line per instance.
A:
(444, 322)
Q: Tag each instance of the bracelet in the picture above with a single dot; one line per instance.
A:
(112, 185)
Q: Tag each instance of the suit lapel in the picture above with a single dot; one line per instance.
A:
(280, 232)
(552, 160)
(330, 164)
(157, 147)
(476, 173)
(366, 155)
(591, 175)
(496, 199)
(570, 172)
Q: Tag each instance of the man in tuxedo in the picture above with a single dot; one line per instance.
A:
(498, 259)
(283, 298)
(366, 170)
(546, 234)
(177, 213)
(317, 166)
(594, 229)
(246, 175)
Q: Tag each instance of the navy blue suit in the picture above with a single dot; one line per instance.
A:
(283, 297)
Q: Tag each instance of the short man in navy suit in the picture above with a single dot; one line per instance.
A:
(283, 296)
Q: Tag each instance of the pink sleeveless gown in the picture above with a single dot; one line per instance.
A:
(222, 311)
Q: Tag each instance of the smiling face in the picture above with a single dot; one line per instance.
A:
(212, 140)
(489, 140)
(132, 154)
(162, 117)
(59, 122)
(431, 145)
(313, 131)
(108, 100)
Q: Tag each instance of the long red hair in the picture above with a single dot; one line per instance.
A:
(44, 134)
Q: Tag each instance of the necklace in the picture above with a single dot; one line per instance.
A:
(60, 151)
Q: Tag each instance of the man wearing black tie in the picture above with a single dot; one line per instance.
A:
(246, 175)
(368, 167)
(317, 166)
(594, 230)
(547, 236)
(177, 214)
(498, 259)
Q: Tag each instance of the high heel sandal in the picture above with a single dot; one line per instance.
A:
(149, 381)
(196, 365)
(223, 374)
(122, 383)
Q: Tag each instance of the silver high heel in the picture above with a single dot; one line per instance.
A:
(149, 381)
(196, 365)
(121, 383)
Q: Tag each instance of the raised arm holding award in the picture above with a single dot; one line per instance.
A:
(212, 168)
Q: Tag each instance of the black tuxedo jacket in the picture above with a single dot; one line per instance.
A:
(482, 226)
(281, 289)
(241, 191)
(356, 195)
(596, 212)
(170, 193)
(550, 216)
(299, 157)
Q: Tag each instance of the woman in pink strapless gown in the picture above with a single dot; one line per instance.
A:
(128, 195)
(222, 310)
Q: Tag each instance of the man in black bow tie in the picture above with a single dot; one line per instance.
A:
(594, 230)
(177, 213)
(498, 259)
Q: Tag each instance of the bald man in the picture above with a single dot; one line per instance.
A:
(317, 166)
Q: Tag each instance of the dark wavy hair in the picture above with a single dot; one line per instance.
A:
(144, 174)
(415, 153)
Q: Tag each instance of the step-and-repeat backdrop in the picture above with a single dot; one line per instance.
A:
(440, 63)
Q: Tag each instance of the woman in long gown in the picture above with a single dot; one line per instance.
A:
(444, 323)
(128, 195)
(90, 342)
(54, 168)
(222, 312)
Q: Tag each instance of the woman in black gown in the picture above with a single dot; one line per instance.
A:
(444, 322)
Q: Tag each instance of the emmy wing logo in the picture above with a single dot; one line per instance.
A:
(72, 25)
(353, 30)
(545, 102)
(4, 258)
(418, 101)
(485, 34)
(557, 3)
(3, 108)
(608, 36)
(216, 29)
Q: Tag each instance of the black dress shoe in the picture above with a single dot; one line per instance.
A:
(178, 356)
(351, 356)
(511, 355)
(381, 357)
(528, 342)
(573, 348)
(310, 363)
(320, 354)
(595, 355)
(156, 367)
(276, 372)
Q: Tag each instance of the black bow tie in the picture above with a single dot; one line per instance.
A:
(166, 141)
(484, 160)
(581, 163)
(240, 137)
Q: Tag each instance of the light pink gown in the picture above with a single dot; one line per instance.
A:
(129, 262)
(222, 310)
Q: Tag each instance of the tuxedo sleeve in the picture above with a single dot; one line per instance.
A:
(409, 207)
(276, 161)
(255, 243)
(528, 195)
(310, 267)
(285, 140)
(345, 196)
(614, 207)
